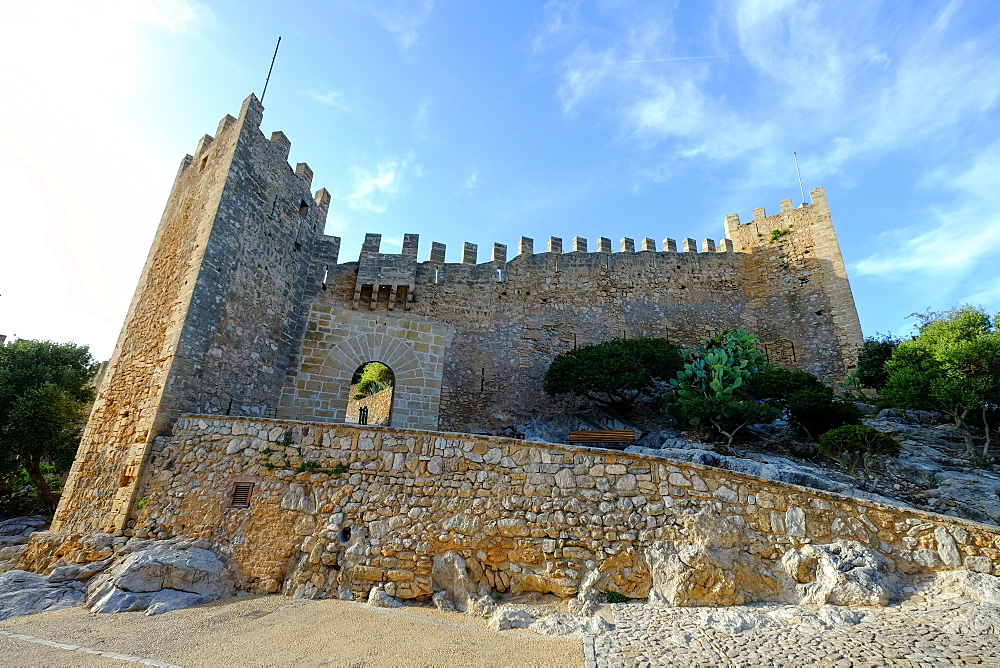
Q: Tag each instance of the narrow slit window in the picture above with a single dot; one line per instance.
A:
(241, 495)
(303, 208)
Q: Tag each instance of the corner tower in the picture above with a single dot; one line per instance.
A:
(217, 314)
(797, 276)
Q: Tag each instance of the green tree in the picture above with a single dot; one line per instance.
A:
(44, 400)
(372, 378)
(951, 366)
(874, 353)
(613, 373)
(710, 390)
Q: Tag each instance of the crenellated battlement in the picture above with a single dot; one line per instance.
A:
(227, 134)
(525, 246)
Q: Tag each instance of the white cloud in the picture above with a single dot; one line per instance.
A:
(952, 243)
(71, 104)
(330, 98)
(402, 18)
(839, 82)
(373, 190)
(471, 182)
(421, 118)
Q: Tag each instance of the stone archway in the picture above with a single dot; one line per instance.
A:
(372, 390)
(337, 346)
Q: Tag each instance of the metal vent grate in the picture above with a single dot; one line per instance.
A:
(241, 495)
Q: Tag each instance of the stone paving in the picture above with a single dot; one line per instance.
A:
(946, 630)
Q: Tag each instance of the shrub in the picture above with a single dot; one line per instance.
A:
(854, 443)
(613, 373)
(615, 597)
(725, 414)
(811, 405)
(952, 366)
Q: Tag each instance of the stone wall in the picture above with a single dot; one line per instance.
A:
(503, 321)
(524, 516)
(379, 407)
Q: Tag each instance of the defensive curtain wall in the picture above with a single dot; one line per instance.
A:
(244, 310)
(328, 510)
(470, 341)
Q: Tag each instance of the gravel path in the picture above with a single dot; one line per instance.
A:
(915, 633)
(274, 630)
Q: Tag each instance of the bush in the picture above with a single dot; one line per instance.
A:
(613, 373)
(854, 443)
(725, 414)
(811, 405)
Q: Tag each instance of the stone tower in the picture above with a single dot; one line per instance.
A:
(216, 316)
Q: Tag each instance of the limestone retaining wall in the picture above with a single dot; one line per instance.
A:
(525, 516)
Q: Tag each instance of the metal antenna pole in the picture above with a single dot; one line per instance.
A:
(801, 189)
(269, 70)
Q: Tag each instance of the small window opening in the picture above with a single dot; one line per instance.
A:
(382, 297)
(303, 208)
(365, 301)
(204, 164)
(401, 293)
(345, 535)
(241, 495)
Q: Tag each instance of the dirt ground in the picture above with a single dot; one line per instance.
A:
(277, 631)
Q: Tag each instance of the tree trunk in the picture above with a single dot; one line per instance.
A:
(986, 430)
(34, 467)
(970, 448)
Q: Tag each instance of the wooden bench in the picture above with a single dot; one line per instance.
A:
(614, 439)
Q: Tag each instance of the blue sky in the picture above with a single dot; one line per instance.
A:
(485, 121)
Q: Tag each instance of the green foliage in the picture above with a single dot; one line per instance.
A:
(615, 597)
(44, 402)
(371, 379)
(726, 414)
(710, 390)
(874, 353)
(777, 234)
(719, 366)
(811, 405)
(854, 444)
(952, 366)
(338, 469)
(614, 373)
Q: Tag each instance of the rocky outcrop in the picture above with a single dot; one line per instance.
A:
(23, 593)
(15, 531)
(109, 574)
(158, 579)
(841, 573)
(710, 568)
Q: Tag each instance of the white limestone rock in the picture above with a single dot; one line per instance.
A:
(450, 578)
(563, 624)
(377, 598)
(507, 617)
(840, 573)
(160, 578)
(23, 593)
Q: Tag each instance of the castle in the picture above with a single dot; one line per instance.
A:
(222, 411)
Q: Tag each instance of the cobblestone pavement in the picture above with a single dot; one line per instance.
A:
(947, 631)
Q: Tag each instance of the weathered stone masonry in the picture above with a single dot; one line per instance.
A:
(525, 516)
(244, 310)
